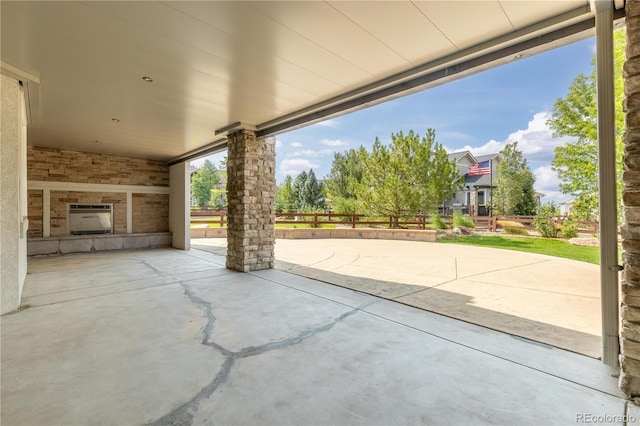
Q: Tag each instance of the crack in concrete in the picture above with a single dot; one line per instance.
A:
(208, 312)
(184, 414)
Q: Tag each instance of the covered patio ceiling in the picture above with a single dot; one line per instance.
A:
(272, 65)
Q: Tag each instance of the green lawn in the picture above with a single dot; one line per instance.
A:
(551, 247)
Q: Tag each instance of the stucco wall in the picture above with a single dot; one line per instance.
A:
(12, 195)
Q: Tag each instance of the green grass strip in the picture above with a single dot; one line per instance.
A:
(550, 247)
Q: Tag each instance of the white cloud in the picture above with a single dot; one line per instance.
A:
(328, 123)
(311, 153)
(333, 142)
(296, 144)
(547, 183)
(294, 166)
(546, 179)
(278, 143)
(536, 141)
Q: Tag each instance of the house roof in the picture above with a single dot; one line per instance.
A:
(487, 157)
(480, 181)
(218, 66)
(460, 154)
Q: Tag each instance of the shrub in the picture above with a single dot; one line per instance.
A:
(461, 221)
(516, 231)
(545, 220)
(438, 222)
(510, 224)
(569, 228)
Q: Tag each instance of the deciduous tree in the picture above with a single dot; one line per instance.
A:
(576, 163)
(514, 194)
(204, 180)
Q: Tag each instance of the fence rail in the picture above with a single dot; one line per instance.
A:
(315, 220)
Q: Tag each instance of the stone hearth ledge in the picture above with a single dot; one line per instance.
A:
(91, 243)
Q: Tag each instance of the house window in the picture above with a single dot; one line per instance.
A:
(481, 198)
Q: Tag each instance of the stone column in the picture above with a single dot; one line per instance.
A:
(473, 202)
(251, 188)
(630, 310)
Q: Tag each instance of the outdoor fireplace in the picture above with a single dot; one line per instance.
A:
(90, 219)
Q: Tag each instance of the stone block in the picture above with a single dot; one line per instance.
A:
(631, 277)
(630, 232)
(630, 331)
(76, 245)
(108, 243)
(136, 242)
(630, 348)
(631, 197)
(41, 247)
(629, 384)
(631, 215)
(630, 314)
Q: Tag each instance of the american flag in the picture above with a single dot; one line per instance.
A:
(478, 169)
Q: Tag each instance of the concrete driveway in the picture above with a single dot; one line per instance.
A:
(171, 337)
(547, 299)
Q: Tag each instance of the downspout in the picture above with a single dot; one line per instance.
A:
(607, 182)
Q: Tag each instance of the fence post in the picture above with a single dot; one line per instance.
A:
(315, 220)
(221, 220)
(353, 220)
(494, 224)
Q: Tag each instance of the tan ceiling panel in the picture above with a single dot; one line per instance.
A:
(467, 23)
(399, 25)
(523, 13)
(214, 63)
(328, 28)
(264, 36)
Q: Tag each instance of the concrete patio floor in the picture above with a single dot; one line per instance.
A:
(547, 299)
(172, 337)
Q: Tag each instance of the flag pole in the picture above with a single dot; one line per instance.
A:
(491, 186)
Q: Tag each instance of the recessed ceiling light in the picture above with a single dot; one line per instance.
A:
(115, 120)
(147, 79)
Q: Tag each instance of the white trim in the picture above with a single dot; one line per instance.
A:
(129, 212)
(47, 186)
(46, 213)
(96, 187)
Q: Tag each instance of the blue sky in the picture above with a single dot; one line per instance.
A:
(480, 113)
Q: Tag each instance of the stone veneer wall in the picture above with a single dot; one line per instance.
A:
(251, 187)
(150, 211)
(60, 165)
(630, 310)
(34, 201)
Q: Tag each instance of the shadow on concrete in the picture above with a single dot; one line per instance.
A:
(450, 304)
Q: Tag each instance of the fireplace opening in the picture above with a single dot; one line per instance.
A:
(90, 219)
